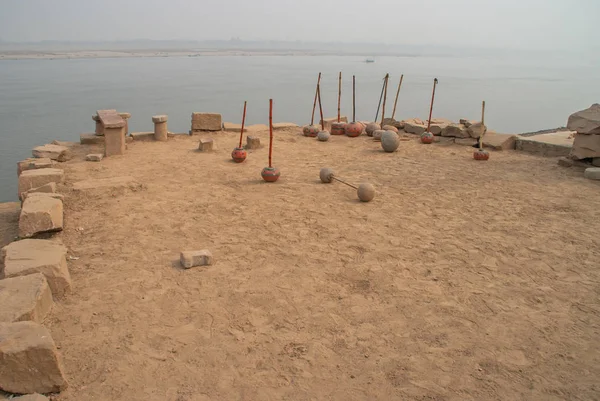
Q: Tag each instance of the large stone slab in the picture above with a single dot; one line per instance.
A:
(33, 164)
(498, 141)
(592, 173)
(49, 188)
(143, 136)
(415, 126)
(438, 124)
(586, 121)
(32, 256)
(551, 145)
(104, 183)
(586, 145)
(25, 298)
(9, 222)
(91, 139)
(53, 152)
(29, 361)
(456, 131)
(40, 214)
(111, 119)
(36, 178)
(206, 122)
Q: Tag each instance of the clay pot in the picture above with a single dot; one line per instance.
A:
(311, 130)
(372, 127)
(238, 155)
(427, 137)
(270, 174)
(338, 128)
(481, 154)
(354, 129)
(390, 141)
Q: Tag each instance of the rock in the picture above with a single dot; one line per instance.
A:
(205, 145)
(586, 145)
(40, 214)
(252, 142)
(498, 141)
(586, 121)
(53, 152)
(328, 121)
(323, 136)
(365, 192)
(592, 173)
(30, 256)
(465, 122)
(390, 128)
(231, 127)
(596, 161)
(25, 298)
(36, 178)
(415, 126)
(49, 188)
(33, 164)
(282, 126)
(190, 259)
(377, 134)
(443, 140)
(566, 162)
(206, 122)
(456, 131)
(437, 125)
(29, 361)
(143, 136)
(31, 397)
(543, 145)
(476, 130)
(91, 139)
(394, 123)
(94, 157)
(390, 141)
(371, 127)
(466, 141)
(129, 139)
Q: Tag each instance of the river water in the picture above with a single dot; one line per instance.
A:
(43, 100)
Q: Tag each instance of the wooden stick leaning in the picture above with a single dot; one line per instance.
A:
(380, 98)
(387, 77)
(243, 121)
(343, 182)
(483, 125)
(312, 119)
(353, 98)
(397, 93)
(435, 81)
(320, 107)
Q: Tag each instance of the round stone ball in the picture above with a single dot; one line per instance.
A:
(326, 175)
(310, 130)
(377, 134)
(481, 154)
(365, 192)
(390, 141)
(390, 128)
(371, 127)
(427, 137)
(323, 136)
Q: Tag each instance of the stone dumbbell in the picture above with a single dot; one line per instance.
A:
(365, 191)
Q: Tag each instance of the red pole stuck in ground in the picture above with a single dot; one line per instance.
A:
(239, 154)
(270, 174)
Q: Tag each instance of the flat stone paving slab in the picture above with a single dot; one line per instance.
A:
(496, 141)
(111, 119)
(25, 298)
(31, 256)
(553, 144)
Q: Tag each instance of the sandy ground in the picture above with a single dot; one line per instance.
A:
(462, 280)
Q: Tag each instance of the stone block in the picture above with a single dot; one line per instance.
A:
(466, 141)
(40, 214)
(110, 119)
(114, 141)
(540, 147)
(252, 142)
(282, 126)
(190, 259)
(586, 146)
(94, 157)
(163, 118)
(327, 122)
(586, 121)
(29, 361)
(30, 256)
(36, 178)
(592, 173)
(27, 195)
(206, 122)
(49, 188)
(205, 145)
(415, 126)
(25, 298)
(53, 152)
(456, 131)
(161, 132)
(232, 127)
(33, 164)
(498, 141)
(438, 124)
(476, 130)
(91, 139)
(143, 136)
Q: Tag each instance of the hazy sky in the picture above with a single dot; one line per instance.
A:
(525, 24)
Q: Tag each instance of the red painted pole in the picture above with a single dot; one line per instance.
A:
(243, 121)
(270, 131)
(339, 95)
(435, 81)
(320, 107)
(312, 119)
(353, 98)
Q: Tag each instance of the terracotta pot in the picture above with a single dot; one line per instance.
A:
(238, 155)
(481, 154)
(354, 129)
(338, 128)
(427, 137)
(270, 174)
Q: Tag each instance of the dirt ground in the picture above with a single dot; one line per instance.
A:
(462, 280)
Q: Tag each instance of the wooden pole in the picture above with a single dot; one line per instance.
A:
(397, 93)
(380, 97)
(320, 107)
(435, 81)
(270, 131)
(344, 182)
(353, 98)
(483, 124)
(312, 119)
(387, 77)
(243, 121)
(339, 95)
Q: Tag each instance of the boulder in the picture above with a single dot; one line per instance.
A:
(498, 141)
(190, 259)
(33, 164)
(91, 139)
(49, 188)
(476, 130)
(36, 178)
(205, 145)
(586, 145)
(40, 214)
(586, 121)
(438, 125)
(456, 131)
(25, 298)
(592, 173)
(32, 256)
(206, 122)
(53, 152)
(94, 157)
(252, 142)
(415, 126)
(390, 141)
(29, 361)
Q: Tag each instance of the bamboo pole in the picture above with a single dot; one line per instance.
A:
(312, 119)
(270, 132)
(320, 107)
(380, 98)
(387, 77)
(435, 81)
(243, 121)
(483, 124)
(339, 95)
(344, 182)
(397, 93)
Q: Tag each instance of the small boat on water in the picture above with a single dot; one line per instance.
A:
(369, 60)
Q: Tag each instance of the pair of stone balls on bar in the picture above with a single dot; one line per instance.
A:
(354, 129)
(365, 191)
(239, 155)
(427, 137)
(311, 131)
(270, 174)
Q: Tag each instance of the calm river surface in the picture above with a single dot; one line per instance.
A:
(43, 100)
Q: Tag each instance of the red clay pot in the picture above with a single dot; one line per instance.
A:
(427, 137)
(238, 155)
(481, 154)
(270, 174)
(354, 129)
(338, 128)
